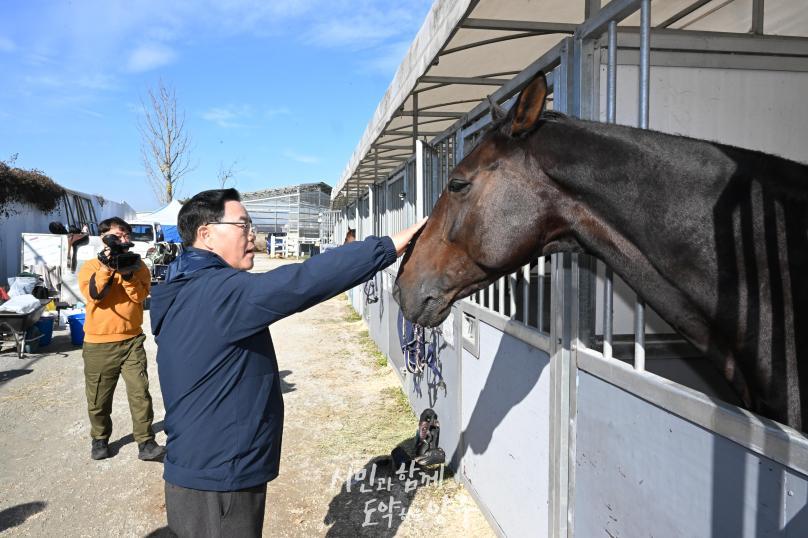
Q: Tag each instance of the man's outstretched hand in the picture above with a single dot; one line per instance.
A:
(402, 239)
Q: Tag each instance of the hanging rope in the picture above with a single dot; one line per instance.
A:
(418, 356)
(370, 290)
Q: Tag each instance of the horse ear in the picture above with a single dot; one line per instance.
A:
(497, 112)
(529, 106)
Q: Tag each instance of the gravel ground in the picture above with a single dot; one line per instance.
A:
(344, 413)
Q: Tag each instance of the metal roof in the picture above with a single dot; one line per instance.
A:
(469, 49)
(282, 191)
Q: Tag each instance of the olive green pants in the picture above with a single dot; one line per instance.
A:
(103, 363)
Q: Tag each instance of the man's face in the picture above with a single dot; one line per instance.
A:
(234, 243)
(122, 234)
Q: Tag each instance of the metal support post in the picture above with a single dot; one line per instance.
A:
(645, 49)
(757, 17)
(414, 120)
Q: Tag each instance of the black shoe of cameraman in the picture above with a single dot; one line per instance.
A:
(100, 449)
(150, 451)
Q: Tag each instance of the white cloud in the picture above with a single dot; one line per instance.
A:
(388, 59)
(89, 112)
(230, 116)
(68, 83)
(150, 56)
(7, 45)
(354, 32)
(299, 157)
(272, 112)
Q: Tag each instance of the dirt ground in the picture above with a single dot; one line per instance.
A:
(344, 414)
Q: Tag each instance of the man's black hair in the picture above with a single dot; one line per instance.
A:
(113, 222)
(207, 206)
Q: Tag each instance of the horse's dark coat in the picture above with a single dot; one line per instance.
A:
(715, 238)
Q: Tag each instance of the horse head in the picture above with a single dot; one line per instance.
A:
(497, 212)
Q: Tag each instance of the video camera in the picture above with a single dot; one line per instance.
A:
(119, 259)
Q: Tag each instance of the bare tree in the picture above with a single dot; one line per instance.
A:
(165, 143)
(226, 175)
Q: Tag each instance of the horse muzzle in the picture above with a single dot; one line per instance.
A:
(420, 307)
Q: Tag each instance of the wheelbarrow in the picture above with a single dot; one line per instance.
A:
(13, 327)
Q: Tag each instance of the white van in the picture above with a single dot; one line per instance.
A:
(145, 235)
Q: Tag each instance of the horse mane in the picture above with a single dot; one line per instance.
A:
(546, 115)
(553, 115)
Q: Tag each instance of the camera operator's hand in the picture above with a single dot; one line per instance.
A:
(106, 262)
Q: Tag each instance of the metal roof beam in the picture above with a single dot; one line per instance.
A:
(411, 133)
(391, 146)
(429, 114)
(509, 37)
(616, 10)
(675, 40)
(676, 17)
(519, 26)
(449, 103)
(479, 81)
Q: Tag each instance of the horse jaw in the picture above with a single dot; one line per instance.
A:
(433, 275)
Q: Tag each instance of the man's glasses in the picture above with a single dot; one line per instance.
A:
(247, 227)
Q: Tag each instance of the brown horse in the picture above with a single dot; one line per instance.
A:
(713, 237)
(350, 236)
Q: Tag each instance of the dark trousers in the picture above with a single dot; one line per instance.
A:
(103, 364)
(216, 514)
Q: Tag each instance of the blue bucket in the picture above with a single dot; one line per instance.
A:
(76, 322)
(45, 326)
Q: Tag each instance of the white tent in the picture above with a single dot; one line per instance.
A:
(167, 219)
(166, 215)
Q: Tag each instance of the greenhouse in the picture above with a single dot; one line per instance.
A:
(292, 213)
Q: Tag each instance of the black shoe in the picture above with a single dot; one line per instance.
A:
(150, 451)
(100, 449)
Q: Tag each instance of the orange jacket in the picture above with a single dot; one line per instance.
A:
(114, 312)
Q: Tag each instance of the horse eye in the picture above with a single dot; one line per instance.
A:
(457, 185)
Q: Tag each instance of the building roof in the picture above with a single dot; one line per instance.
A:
(469, 49)
(281, 191)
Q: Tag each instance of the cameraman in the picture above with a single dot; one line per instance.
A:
(115, 286)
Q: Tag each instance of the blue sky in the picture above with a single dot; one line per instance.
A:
(284, 89)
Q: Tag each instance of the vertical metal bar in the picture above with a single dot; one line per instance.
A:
(639, 335)
(512, 294)
(526, 293)
(608, 313)
(645, 49)
(419, 180)
(757, 17)
(376, 219)
(611, 117)
(414, 120)
(611, 74)
(501, 286)
(540, 299)
(591, 7)
(491, 296)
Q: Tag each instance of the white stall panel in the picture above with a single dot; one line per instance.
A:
(641, 471)
(506, 424)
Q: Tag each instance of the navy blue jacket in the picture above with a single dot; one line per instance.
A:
(217, 365)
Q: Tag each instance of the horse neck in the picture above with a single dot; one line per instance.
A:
(611, 162)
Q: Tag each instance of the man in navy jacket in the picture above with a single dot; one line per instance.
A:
(216, 362)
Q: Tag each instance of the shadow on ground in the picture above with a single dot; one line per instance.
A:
(375, 500)
(16, 515)
(115, 446)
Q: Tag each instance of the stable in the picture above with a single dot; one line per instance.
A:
(292, 214)
(567, 406)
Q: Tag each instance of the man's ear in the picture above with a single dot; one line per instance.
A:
(527, 110)
(204, 238)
